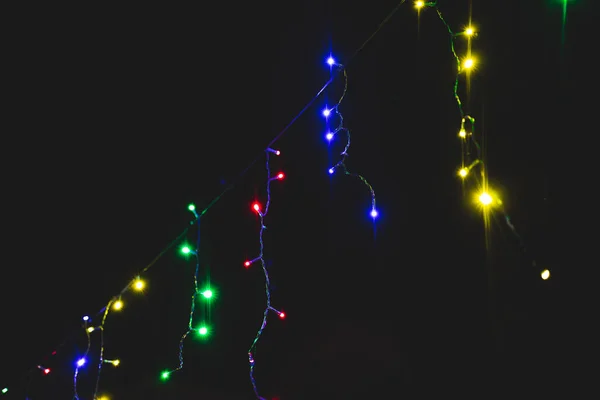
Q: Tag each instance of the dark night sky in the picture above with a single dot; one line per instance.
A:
(124, 116)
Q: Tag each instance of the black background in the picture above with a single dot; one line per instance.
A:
(119, 116)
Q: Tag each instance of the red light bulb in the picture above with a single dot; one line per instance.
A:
(282, 315)
(280, 176)
(47, 371)
(247, 264)
(256, 207)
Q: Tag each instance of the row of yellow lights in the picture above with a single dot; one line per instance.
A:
(484, 198)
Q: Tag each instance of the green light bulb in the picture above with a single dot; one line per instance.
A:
(191, 207)
(165, 375)
(5, 390)
(207, 293)
(203, 331)
(186, 250)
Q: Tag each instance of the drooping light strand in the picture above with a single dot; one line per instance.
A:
(262, 213)
(83, 359)
(341, 129)
(202, 330)
(485, 198)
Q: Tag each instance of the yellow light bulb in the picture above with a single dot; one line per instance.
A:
(118, 305)
(91, 329)
(103, 398)
(545, 274)
(485, 199)
(139, 285)
(463, 172)
(116, 363)
(468, 64)
(469, 31)
(462, 133)
(419, 4)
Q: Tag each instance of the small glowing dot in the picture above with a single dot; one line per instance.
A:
(247, 264)
(103, 398)
(118, 305)
(186, 250)
(192, 207)
(5, 390)
(545, 274)
(280, 176)
(469, 31)
(329, 136)
(207, 293)
(331, 170)
(139, 285)
(463, 172)
(282, 315)
(462, 133)
(277, 152)
(91, 329)
(374, 213)
(47, 371)
(86, 318)
(468, 64)
(331, 61)
(256, 207)
(116, 363)
(165, 375)
(326, 112)
(203, 331)
(419, 4)
(81, 362)
(485, 199)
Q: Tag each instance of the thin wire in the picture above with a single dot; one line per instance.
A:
(341, 164)
(77, 366)
(260, 257)
(101, 357)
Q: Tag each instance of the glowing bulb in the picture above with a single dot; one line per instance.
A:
(280, 176)
(468, 64)
(329, 136)
(86, 318)
(116, 363)
(326, 112)
(165, 375)
(419, 4)
(203, 331)
(118, 305)
(276, 152)
(192, 207)
(463, 172)
(331, 171)
(469, 31)
(485, 199)
(81, 362)
(247, 264)
(374, 213)
(103, 398)
(139, 285)
(46, 371)
(207, 293)
(545, 274)
(186, 250)
(462, 133)
(256, 207)
(91, 329)
(5, 390)
(282, 315)
(331, 61)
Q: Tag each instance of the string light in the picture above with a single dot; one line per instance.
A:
(341, 164)
(207, 293)
(484, 198)
(116, 302)
(262, 214)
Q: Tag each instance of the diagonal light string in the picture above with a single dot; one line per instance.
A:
(243, 173)
(341, 164)
(101, 357)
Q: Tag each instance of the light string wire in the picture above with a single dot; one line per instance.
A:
(190, 326)
(81, 361)
(261, 258)
(466, 132)
(341, 164)
(238, 179)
